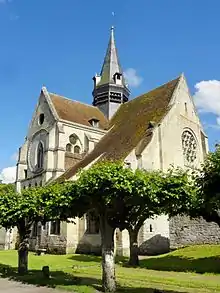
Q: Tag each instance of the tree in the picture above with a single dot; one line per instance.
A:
(206, 202)
(125, 199)
(153, 193)
(39, 204)
(103, 186)
(138, 202)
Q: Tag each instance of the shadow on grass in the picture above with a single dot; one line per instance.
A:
(94, 258)
(57, 278)
(181, 264)
(165, 263)
(60, 278)
(140, 290)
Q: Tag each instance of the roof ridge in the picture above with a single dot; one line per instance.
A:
(61, 96)
(152, 89)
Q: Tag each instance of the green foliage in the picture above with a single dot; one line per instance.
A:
(130, 197)
(206, 203)
(178, 191)
(103, 185)
(35, 205)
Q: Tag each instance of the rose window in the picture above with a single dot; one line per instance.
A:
(189, 146)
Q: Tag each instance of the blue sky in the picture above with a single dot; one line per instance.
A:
(61, 44)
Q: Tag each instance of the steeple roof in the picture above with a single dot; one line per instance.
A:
(111, 63)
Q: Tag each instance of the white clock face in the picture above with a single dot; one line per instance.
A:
(39, 137)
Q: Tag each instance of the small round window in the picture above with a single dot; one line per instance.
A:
(41, 119)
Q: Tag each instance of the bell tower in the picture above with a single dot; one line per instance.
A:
(110, 88)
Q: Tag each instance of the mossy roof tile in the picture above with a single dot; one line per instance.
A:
(77, 112)
(129, 127)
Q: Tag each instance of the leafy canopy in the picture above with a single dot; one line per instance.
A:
(206, 203)
(35, 204)
(129, 197)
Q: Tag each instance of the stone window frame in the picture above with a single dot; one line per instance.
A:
(77, 149)
(92, 225)
(186, 161)
(41, 118)
(74, 144)
(40, 155)
(54, 228)
(34, 229)
(69, 148)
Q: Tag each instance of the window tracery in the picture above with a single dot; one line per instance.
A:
(189, 146)
(73, 139)
(40, 156)
(69, 148)
(74, 144)
(76, 149)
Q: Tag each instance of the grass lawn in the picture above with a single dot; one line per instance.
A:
(192, 269)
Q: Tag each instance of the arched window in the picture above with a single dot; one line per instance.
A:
(189, 146)
(40, 156)
(69, 148)
(76, 149)
(92, 224)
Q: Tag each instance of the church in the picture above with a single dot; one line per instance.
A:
(153, 131)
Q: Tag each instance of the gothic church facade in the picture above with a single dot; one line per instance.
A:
(153, 131)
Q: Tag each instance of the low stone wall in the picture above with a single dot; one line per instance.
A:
(184, 232)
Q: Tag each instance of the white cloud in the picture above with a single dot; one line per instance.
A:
(207, 97)
(132, 78)
(8, 175)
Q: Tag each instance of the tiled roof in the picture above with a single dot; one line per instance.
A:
(130, 127)
(77, 112)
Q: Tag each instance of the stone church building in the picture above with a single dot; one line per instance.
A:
(153, 131)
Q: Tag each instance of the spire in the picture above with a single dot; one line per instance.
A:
(110, 89)
(111, 63)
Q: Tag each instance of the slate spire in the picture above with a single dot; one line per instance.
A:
(111, 64)
(110, 89)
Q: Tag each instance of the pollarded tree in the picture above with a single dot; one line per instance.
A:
(125, 199)
(136, 204)
(39, 204)
(103, 186)
(153, 193)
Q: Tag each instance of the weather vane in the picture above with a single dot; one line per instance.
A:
(113, 15)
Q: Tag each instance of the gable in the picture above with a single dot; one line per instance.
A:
(182, 141)
(44, 117)
(184, 102)
(131, 123)
(77, 112)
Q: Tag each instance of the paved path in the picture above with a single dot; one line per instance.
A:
(7, 286)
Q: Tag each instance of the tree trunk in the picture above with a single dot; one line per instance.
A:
(133, 260)
(108, 261)
(23, 253)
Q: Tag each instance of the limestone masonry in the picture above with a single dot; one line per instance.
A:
(153, 131)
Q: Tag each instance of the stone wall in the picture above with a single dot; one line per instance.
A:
(184, 232)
